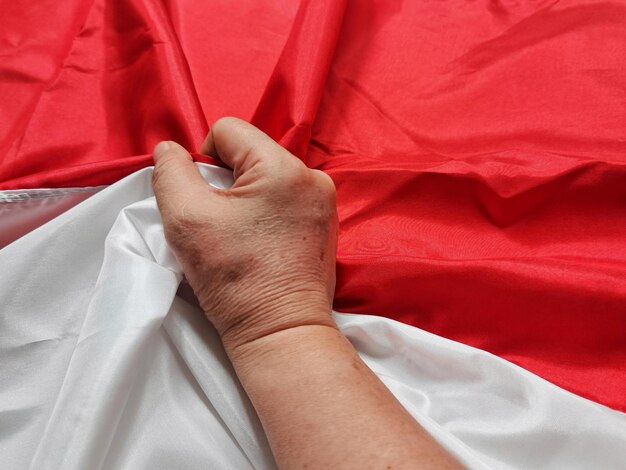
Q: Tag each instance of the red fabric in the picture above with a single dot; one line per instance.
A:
(478, 148)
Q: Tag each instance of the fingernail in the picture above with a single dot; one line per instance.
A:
(161, 148)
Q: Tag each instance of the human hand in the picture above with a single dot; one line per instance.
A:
(260, 256)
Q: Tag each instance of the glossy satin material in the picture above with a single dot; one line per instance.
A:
(478, 148)
(105, 366)
(22, 211)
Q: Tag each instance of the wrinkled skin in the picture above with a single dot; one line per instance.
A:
(260, 256)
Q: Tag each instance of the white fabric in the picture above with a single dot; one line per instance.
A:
(103, 365)
(24, 210)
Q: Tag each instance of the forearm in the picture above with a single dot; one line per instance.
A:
(260, 257)
(322, 407)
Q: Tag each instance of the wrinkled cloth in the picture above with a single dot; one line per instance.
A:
(478, 148)
(107, 363)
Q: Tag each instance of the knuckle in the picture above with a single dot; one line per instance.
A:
(292, 175)
(321, 196)
(322, 190)
(224, 124)
(325, 184)
(310, 186)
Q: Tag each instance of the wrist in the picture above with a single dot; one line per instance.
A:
(285, 348)
(261, 326)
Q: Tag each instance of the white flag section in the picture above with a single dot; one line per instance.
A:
(104, 366)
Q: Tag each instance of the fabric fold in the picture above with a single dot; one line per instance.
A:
(477, 147)
(106, 365)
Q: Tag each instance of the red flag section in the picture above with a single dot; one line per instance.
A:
(478, 148)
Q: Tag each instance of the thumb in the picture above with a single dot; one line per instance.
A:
(175, 177)
(242, 146)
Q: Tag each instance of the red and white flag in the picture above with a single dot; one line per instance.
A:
(479, 155)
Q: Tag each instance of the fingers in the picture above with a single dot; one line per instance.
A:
(241, 146)
(175, 176)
